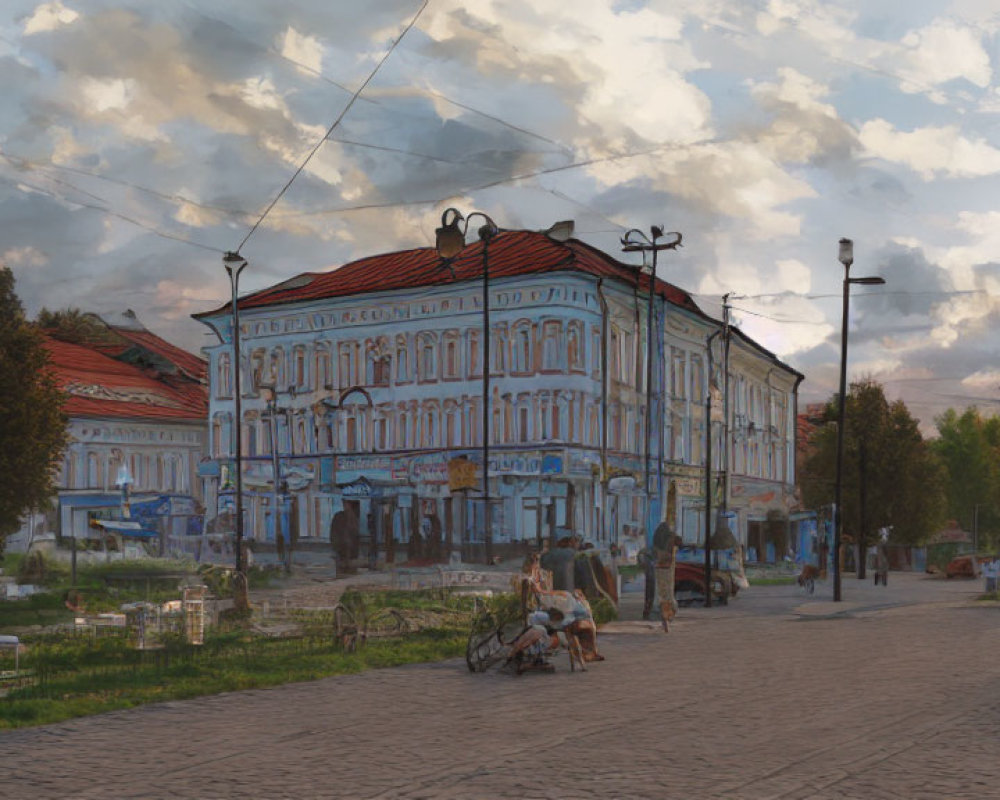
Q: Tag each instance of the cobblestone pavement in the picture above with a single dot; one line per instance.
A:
(776, 696)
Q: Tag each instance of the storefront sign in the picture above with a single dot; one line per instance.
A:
(690, 487)
(359, 488)
(552, 465)
(461, 474)
(431, 468)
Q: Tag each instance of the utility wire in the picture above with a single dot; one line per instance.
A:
(106, 210)
(336, 122)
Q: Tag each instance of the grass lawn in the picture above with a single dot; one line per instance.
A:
(73, 675)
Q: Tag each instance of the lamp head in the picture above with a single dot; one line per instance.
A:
(233, 261)
(874, 280)
(450, 237)
(846, 254)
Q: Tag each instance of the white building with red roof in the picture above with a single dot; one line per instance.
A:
(378, 371)
(137, 409)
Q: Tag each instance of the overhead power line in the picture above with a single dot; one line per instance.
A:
(336, 122)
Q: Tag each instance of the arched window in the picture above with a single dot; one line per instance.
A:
(300, 378)
(324, 375)
(451, 424)
(551, 350)
(575, 355)
(451, 367)
(521, 360)
(277, 368)
(224, 376)
(402, 359)
(257, 373)
(498, 349)
(381, 423)
(403, 429)
(475, 357)
(347, 360)
(430, 425)
(427, 354)
(95, 480)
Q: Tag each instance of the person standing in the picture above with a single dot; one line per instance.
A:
(665, 551)
(560, 561)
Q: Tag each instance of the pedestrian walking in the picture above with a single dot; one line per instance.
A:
(665, 548)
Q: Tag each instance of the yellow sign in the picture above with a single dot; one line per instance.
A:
(461, 474)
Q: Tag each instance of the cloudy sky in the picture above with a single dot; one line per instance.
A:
(140, 140)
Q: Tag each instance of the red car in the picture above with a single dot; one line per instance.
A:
(961, 567)
(689, 584)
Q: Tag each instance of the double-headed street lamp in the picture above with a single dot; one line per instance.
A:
(846, 257)
(450, 241)
(234, 264)
(635, 240)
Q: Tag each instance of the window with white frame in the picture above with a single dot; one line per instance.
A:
(300, 378)
(276, 371)
(614, 355)
(474, 349)
(521, 355)
(427, 354)
(402, 359)
(551, 349)
(323, 371)
(347, 364)
(576, 357)
(451, 367)
(381, 424)
(451, 424)
(678, 373)
(498, 349)
(224, 376)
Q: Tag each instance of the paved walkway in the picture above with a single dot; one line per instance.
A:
(890, 699)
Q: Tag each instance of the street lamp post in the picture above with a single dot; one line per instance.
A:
(450, 240)
(234, 264)
(271, 398)
(846, 257)
(635, 240)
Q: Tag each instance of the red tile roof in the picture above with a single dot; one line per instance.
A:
(98, 385)
(510, 253)
(187, 363)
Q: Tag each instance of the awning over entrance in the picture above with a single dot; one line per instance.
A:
(125, 527)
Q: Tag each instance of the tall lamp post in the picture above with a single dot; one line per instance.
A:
(234, 264)
(271, 398)
(846, 257)
(450, 240)
(635, 240)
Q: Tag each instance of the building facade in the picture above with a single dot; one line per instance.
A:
(137, 407)
(368, 381)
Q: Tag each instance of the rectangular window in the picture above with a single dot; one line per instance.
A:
(678, 373)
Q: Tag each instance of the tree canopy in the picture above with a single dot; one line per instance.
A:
(891, 476)
(968, 445)
(32, 422)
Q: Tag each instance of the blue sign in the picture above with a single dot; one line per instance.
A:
(552, 465)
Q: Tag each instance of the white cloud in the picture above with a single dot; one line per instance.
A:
(985, 378)
(24, 257)
(931, 151)
(103, 95)
(302, 49)
(941, 52)
(48, 17)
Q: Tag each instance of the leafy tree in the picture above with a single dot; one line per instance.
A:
(74, 325)
(32, 422)
(969, 447)
(891, 477)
